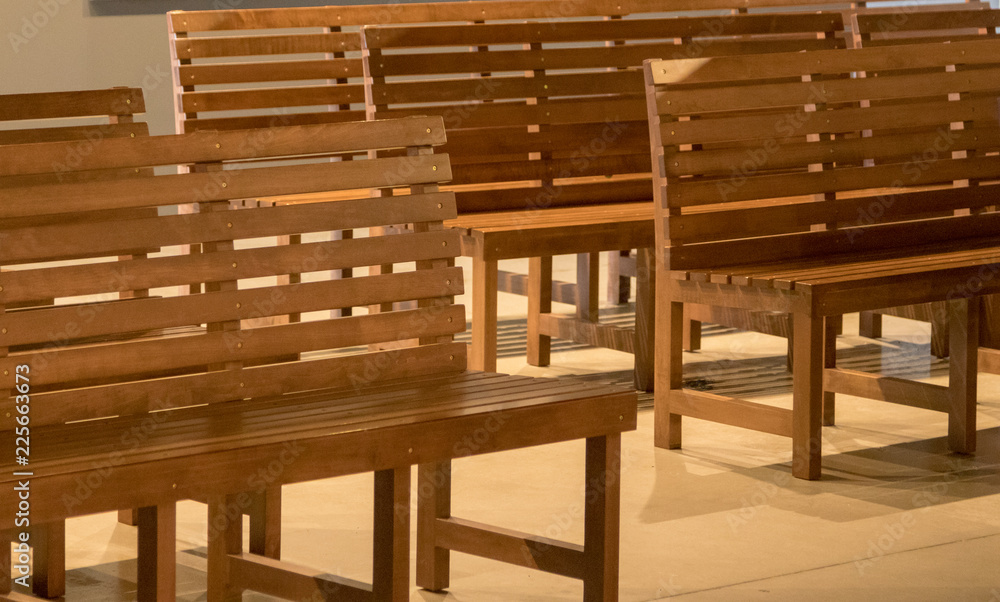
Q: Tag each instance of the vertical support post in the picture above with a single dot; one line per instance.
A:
(807, 395)
(433, 502)
(601, 519)
(48, 559)
(834, 324)
(391, 572)
(645, 318)
(539, 303)
(225, 537)
(963, 326)
(483, 355)
(669, 362)
(265, 523)
(619, 284)
(587, 273)
(870, 324)
(5, 568)
(157, 571)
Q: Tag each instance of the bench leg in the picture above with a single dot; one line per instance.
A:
(669, 361)
(265, 523)
(225, 537)
(129, 517)
(807, 395)
(645, 319)
(692, 335)
(539, 303)
(157, 571)
(5, 567)
(963, 327)
(588, 267)
(391, 572)
(601, 519)
(870, 325)
(833, 326)
(49, 560)
(940, 337)
(433, 502)
(483, 355)
(619, 285)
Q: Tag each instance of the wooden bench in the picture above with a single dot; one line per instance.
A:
(795, 128)
(910, 25)
(145, 417)
(85, 117)
(307, 68)
(547, 133)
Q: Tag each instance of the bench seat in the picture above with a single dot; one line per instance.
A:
(203, 448)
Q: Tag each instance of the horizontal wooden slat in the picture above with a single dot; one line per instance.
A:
(147, 314)
(884, 87)
(784, 126)
(781, 65)
(777, 218)
(270, 120)
(581, 139)
(233, 73)
(862, 239)
(938, 21)
(583, 31)
(731, 411)
(86, 134)
(224, 185)
(630, 55)
(52, 242)
(235, 19)
(50, 105)
(595, 334)
(353, 371)
(266, 98)
(887, 388)
(301, 43)
(847, 178)
(542, 197)
(74, 280)
(207, 147)
(541, 86)
(290, 581)
(555, 168)
(619, 108)
(880, 148)
(507, 545)
(159, 354)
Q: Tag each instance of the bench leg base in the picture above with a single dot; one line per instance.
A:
(669, 363)
(807, 395)
(539, 346)
(157, 571)
(265, 523)
(963, 331)
(433, 502)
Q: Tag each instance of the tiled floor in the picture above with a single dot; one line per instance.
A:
(895, 517)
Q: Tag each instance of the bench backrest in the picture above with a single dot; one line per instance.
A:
(102, 356)
(772, 158)
(84, 116)
(243, 68)
(545, 114)
(911, 25)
